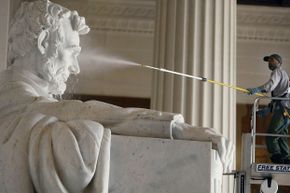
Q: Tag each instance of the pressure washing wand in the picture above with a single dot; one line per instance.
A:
(201, 78)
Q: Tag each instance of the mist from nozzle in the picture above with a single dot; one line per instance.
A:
(100, 61)
(109, 60)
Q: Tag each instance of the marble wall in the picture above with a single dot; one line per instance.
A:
(7, 10)
(4, 23)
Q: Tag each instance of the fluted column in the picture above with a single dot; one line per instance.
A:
(197, 37)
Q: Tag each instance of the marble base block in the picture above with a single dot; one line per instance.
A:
(152, 165)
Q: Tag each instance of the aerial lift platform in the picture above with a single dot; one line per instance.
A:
(268, 175)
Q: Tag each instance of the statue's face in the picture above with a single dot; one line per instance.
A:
(66, 62)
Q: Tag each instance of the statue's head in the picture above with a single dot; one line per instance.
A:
(44, 39)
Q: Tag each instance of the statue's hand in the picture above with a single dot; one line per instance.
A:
(224, 147)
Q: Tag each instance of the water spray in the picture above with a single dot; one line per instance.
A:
(200, 78)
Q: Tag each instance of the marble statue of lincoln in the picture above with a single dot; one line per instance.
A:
(63, 146)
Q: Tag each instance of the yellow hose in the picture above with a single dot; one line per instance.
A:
(234, 87)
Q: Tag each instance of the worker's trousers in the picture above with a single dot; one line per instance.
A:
(278, 125)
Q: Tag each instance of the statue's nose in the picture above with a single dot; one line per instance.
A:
(74, 68)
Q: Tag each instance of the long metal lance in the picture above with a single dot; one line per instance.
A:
(201, 78)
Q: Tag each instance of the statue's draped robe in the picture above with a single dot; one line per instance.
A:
(50, 146)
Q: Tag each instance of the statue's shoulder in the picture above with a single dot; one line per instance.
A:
(15, 89)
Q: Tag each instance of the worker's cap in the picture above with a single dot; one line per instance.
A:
(274, 56)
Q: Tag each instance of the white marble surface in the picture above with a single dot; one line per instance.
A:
(152, 165)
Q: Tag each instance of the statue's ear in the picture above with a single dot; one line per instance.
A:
(42, 42)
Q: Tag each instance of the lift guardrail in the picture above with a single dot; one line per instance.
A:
(254, 133)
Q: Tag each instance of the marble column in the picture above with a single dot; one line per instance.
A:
(4, 23)
(197, 37)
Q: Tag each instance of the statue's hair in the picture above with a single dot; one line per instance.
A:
(31, 19)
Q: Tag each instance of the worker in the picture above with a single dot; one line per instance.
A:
(278, 85)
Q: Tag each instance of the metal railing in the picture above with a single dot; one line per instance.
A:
(254, 133)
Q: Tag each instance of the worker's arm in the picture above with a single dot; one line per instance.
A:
(270, 85)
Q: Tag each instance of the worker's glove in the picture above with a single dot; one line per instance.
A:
(254, 90)
(263, 112)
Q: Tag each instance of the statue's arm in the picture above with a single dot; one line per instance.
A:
(123, 121)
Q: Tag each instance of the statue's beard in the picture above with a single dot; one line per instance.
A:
(55, 76)
(57, 87)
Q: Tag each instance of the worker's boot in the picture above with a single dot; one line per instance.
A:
(277, 159)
